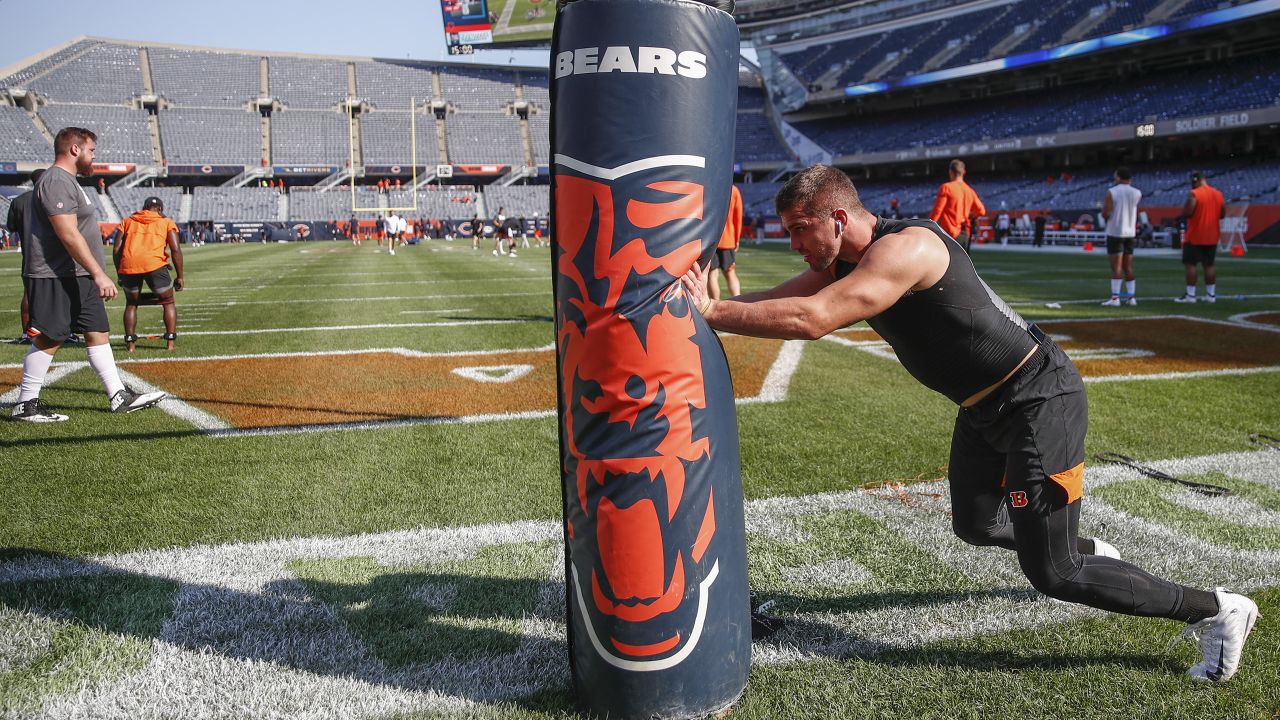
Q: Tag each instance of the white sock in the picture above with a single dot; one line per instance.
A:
(103, 362)
(34, 367)
(1115, 287)
(1211, 290)
(1131, 287)
(1191, 291)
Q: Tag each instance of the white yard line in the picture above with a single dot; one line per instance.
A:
(56, 373)
(245, 632)
(386, 298)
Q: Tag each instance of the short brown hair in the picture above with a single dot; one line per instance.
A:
(817, 190)
(956, 166)
(69, 136)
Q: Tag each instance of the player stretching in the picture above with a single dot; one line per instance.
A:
(1017, 452)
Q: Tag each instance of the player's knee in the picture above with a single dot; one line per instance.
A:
(980, 534)
(1056, 580)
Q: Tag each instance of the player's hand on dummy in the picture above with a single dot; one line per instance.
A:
(695, 286)
(106, 289)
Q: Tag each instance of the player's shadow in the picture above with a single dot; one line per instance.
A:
(457, 635)
(802, 629)
(487, 639)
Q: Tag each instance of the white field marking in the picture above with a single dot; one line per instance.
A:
(435, 312)
(1109, 353)
(457, 281)
(1231, 509)
(1243, 319)
(56, 373)
(634, 166)
(381, 273)
(171, 405)
(247, 634)
(386, 298)
(773, 390)
(375, 326)
(881, 349)
(1141, 299)
(494, 373)
(405, 352)
(777, 382)
(841, 572)
(382, 424)
(1184, 375)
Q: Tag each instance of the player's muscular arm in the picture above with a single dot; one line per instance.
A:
(895, 265)
(69, 235)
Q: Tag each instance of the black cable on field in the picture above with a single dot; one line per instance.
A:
(1202, 488)
(1265, 441)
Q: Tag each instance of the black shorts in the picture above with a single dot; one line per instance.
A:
(1025, 441)
(724, 260)
(61, 306)
(158, 280)
(1199, 254)
(1118, 245)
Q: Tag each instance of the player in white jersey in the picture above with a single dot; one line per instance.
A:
(1120, 211)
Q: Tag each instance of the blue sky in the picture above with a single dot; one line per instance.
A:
(378, 28)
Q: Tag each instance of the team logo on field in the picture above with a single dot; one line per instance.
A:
(1137, 347)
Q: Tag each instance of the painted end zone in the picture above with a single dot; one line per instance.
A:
(332, 391)
(1140, 347)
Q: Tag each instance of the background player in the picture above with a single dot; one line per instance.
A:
(725, 259)
(1120, 211)
(957, 206)
(145, 242)
(1203, 211)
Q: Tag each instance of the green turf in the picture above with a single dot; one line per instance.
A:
(103, 483)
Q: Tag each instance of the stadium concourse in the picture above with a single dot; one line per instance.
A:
(348, 506)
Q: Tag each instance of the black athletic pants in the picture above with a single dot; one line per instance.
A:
(1017, 463)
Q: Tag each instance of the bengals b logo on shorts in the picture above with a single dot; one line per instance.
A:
(1018, 499)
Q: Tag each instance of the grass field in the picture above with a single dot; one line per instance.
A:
(352, 506)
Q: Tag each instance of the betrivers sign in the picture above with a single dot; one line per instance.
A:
(659, 60)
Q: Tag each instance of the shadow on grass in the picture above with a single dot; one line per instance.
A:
(453, 634)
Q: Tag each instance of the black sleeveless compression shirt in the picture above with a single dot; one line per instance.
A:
(956, 337)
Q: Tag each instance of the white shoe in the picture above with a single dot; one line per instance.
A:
(513, 254)
(393, 252)
(126, 400)
(1101, 548)
(495, 253)
(1221, 637)
(1209, 298)
(1113, 302)
(1185, 299)
(1131, 301)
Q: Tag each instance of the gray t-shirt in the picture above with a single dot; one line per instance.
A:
(44, 256)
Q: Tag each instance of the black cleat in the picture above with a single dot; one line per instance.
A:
(35, 411)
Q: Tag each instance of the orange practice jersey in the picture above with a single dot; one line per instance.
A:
(956, 201)
(144, 235)
(1202, 226)
(732, 234)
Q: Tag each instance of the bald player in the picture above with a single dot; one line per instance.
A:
(957, 206)
(1017, 451)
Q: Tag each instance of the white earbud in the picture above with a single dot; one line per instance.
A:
(839, 228)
